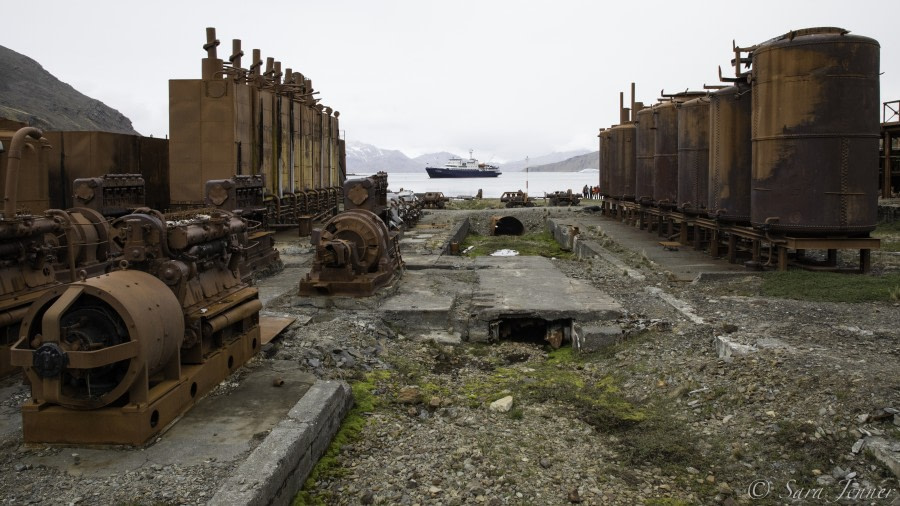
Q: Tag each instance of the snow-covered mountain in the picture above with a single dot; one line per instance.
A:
(367, 159)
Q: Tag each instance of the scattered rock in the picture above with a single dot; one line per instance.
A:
(502, 405)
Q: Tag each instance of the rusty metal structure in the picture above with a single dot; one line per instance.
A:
(622, 151)
(110, 195)
(792, 155)
(33, 191)
(110, 352)
(434, 200)
(369, 193)
(644, 153)
(356, 255)
(90, 155)
(244, 196)
(693, 155)
(889, 165)
(604, 162)
(39, 251)
(730, 159)
(814, 164)
(516, 199)
(562, 198)
(260, 121)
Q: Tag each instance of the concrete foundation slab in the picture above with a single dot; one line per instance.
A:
(532, 287)
(220, 427)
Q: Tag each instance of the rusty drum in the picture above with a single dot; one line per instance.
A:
(730, 154)
(693, 155)
(644, 151)
(815, 132)
(622, 160)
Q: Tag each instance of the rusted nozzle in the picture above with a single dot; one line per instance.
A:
(12, 168)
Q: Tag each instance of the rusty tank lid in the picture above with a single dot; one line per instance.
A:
(814, 35)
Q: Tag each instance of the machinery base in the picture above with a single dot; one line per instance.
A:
(136, 424)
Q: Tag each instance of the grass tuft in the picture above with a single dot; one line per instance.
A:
(830, 286)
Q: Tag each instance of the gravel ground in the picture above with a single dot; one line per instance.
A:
(658, 418)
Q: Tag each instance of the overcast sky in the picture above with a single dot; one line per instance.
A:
(507, 78)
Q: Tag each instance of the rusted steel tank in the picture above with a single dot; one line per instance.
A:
(665, 154)
(622, 160)
(730, 154)
(644, 151)
(815, 132)
(605, 167)
(693, 155)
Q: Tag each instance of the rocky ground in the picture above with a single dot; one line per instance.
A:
(733, 399)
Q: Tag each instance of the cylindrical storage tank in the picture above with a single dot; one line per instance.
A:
(665, 154)
(622, 160)
(644, 150)
(693, 155)
(730, 154)
(815, 132)
(605, 166)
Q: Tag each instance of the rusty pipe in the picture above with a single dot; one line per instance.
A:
(230, 317)
(12, 168)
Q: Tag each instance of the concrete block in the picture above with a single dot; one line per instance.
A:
(277, 468)
(593, 338)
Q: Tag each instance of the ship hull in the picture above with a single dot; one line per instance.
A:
(438, 172)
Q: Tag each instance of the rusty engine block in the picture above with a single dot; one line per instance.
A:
(37, 252)
(110, 194)
(131, 350)
(356, 254)
(397, 209)
(244, 195)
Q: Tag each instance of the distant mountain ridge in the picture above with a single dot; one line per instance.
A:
(31, 95)
(574, 164)
(365, 158)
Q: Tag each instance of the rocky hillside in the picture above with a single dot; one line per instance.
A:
(574, 164)
(29, 94)
(535, 162)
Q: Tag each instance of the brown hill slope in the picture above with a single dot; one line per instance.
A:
(29, 94)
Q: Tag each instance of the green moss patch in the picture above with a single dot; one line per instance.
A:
(830, 286)
(535, 244)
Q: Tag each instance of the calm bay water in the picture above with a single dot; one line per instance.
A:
(535, 183)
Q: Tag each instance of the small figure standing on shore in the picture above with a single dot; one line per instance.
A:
(584, 191)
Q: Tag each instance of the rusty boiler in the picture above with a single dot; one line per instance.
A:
(622, 158)
(645, 145)
(605, 163)
(815, 120)
(693, 155)
(356, 255)
(115, 358)
(730, 162)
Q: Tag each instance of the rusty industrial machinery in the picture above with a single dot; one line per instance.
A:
(815, 166)
(406, 206)
(111, 195)
(434, 200)
(791, 161)
(244, 196)
(356, 255)
(562, 198)
(131, 350)
(397, 209)
(40, 251)
(516, 199)
(259, 121)
(369, 193)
